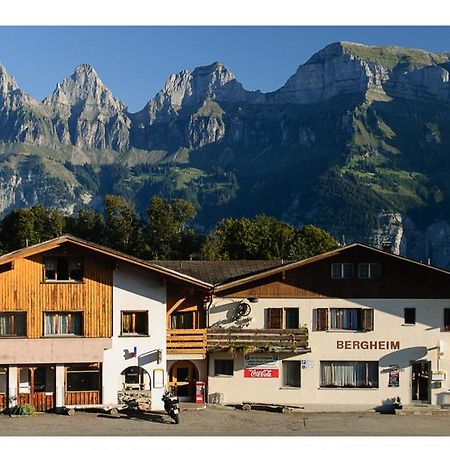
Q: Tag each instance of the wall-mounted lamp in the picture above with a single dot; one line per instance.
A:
(158, 356)
(252, 299)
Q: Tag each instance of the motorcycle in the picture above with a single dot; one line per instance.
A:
(172, 406)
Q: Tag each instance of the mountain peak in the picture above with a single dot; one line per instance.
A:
(84, 87)
(7, 82)
(85, 70)
(216, 72)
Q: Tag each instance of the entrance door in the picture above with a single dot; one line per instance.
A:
(420, 381)
(183, 375)
(36, 386)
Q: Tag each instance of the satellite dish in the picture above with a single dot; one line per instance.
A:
(243, 309)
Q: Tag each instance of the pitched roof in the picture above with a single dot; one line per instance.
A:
(218, 272)
(293, 265)
(68, 239)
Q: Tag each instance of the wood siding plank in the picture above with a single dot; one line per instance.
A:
(23, 289)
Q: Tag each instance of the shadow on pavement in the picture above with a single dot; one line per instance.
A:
(138, 415)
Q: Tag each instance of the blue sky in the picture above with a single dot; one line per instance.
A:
(136, 61)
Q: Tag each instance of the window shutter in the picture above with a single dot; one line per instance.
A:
(367, 320)
(275, 316)
(322, 319)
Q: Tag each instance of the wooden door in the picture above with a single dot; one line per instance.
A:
(35, 386)
(182, 378)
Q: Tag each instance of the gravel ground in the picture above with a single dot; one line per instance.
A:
(224, 421)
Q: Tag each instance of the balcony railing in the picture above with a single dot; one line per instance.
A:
(186, 341)
(258, 340)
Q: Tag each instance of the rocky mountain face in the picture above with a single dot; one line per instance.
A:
(85, 113)
(356, 141)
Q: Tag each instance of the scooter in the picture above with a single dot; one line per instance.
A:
(172, 406)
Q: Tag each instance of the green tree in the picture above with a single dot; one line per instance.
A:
(121, 224)
(167, 228)
(18, 229)
(310, 241)
(29, 226)
(88, 225)
(264, 238)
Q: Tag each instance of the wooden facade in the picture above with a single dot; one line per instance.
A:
(184, 298)
(42, 401)
(82, 398)
(23, 288)
(399, 278)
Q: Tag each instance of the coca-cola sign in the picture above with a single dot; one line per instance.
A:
(261, 373)
(261, 366)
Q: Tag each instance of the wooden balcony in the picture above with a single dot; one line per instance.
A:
(186, 341)
(258, 340)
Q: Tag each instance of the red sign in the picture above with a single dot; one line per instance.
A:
(260, 373)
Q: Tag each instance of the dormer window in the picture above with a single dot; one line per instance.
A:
(60, 268)
(369, 271)
(341, 271)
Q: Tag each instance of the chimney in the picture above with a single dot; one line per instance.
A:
(386, 247)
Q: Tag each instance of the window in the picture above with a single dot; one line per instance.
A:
(446, 319)
(223, 367)
(182, 321)
(63, 269)
(282, 318)
(134, 378)
(13, 324)
(63, 324)
(350, 374)
(135, 323)
(369, 271)
(410, 316)
(341, 271)
(291, 373)
(83, 377)
(353, 319)
(291, 318)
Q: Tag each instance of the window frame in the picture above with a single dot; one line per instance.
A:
(80, 369)
(230, 361)
(135, 334)
(283, 318)
(80, 313)
(63, 280)
(324, 319)
(15, 313)
(366, 370)
(369, 271)
(183, 313)
(342, 271)
(284, 374)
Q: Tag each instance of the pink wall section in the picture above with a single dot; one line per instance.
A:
(52, 350)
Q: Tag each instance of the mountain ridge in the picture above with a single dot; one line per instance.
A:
(356, 141)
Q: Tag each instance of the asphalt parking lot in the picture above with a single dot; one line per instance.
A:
(226, 422)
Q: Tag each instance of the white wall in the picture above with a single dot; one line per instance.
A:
(417, 342)
(136, 289)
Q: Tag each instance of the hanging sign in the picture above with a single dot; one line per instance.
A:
(394, 378)
(438, 375)
(261, 366)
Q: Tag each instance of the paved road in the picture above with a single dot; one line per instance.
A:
(214, 421)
